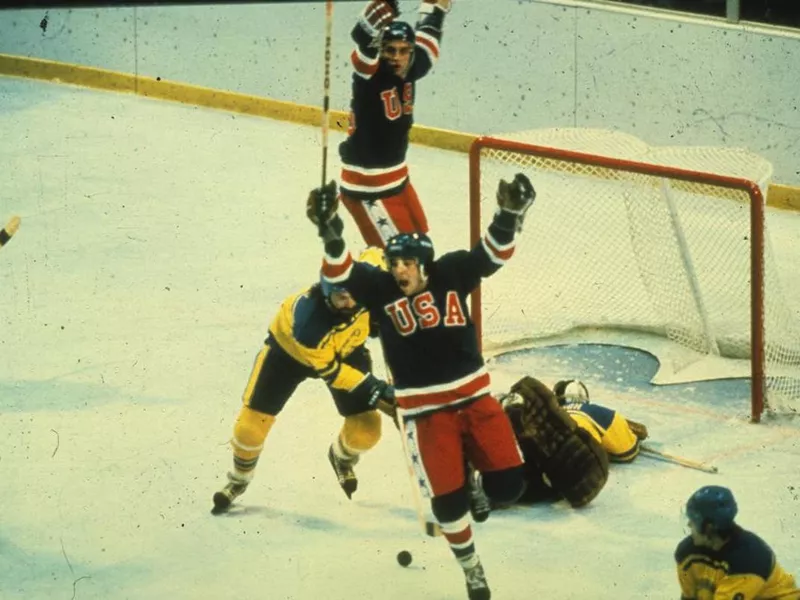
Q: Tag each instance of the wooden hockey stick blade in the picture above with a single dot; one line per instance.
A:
(678, 460)
(433, 529)
(9, 230)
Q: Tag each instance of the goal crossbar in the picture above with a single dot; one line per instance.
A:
(550, 158)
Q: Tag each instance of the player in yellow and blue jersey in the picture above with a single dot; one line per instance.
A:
(318, 333)
(619, 437)
(721, 561)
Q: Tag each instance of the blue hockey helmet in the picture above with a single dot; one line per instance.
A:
(329, 288)
(712, 505)
(410, 245)
(398, 31)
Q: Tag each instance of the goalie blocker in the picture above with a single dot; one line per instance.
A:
(571, 461)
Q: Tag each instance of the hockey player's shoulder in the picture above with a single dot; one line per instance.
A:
(748, 554)
(448, 259)
(597, 411)
(684, 549)
(312, 320)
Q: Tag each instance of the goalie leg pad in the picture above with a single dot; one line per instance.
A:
(542, 419)
(579, 470)
(575, 464)
(361, 432)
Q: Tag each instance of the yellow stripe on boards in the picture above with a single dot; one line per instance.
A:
(779, 195)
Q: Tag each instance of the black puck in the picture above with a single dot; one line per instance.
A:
(404, 558)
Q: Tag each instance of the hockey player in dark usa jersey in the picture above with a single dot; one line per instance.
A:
(431, 349)
(389, 58)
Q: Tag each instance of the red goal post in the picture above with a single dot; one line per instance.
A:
(578, 181)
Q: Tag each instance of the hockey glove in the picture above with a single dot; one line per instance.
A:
(517, 196)
(638, 429)
(513, 199)
(377, 389)
(321, 210)
(427, 6)
(376, 15)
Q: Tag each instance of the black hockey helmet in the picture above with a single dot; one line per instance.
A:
(398, 31)
(410, 245)
(712, 505)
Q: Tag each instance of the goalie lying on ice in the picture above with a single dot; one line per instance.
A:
(566, 441)
(562, 460)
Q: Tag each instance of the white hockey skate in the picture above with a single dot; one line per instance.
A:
(477, 588)
(479, 504)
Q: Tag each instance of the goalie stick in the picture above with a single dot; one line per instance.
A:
(9, 230)
(651, 452)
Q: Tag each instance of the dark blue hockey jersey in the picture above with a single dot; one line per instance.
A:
(745, 568)
(382, 112)
(428, 339)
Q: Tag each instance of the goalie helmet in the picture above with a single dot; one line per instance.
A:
(410, 245)
(712, 505)
(571, 391)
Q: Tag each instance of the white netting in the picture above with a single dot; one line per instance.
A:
(605, 248)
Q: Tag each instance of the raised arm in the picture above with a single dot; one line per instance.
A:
(497, 244)
(376, 15)
(428, 35)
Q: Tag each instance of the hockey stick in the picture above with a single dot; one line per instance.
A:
(431, 528)
(326, 86)
(9, 230)
(651, 452)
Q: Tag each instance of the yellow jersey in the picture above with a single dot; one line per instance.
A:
(745, 568)
(606, 426)
(316, 336)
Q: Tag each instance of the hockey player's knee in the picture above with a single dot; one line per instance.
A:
(250, 431)
(506, 486)
(450, 507)
(361, 432)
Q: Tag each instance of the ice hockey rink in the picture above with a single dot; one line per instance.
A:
(157, 241)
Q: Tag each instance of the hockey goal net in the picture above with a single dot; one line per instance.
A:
(665, 243)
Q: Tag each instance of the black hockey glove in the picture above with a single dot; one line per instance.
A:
(379, 390)
(513, 200)
(517, 196)
(321, 210)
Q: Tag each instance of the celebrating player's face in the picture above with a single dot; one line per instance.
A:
(407, 274)
(398, 55)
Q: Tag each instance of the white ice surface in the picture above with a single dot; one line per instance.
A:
(156, 243)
